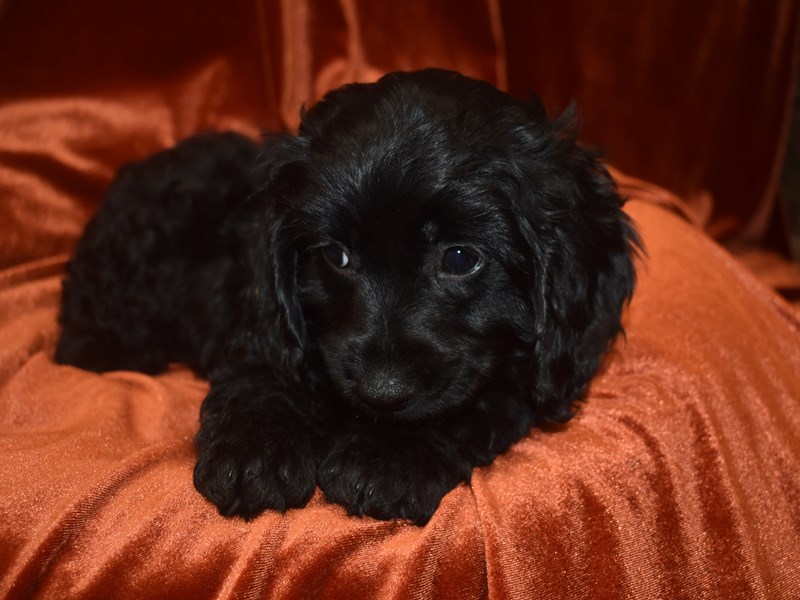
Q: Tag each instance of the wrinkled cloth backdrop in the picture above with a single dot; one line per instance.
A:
(679, 478)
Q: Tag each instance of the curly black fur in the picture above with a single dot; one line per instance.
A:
(382, 302)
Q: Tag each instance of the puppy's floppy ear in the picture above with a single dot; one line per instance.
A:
(583, 246)
(273, 254)
(284, 283)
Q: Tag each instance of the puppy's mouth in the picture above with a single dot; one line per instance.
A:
(404, 390)
(398, 399)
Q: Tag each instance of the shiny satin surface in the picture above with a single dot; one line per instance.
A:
(679, 478)
(86, 85)
(713, 82)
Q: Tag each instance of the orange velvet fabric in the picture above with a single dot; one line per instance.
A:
(88, 84)
(679, 478)
(712, 82)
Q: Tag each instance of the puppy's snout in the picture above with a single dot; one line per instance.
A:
(384, 389)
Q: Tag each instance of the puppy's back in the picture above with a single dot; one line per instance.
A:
(154, 276)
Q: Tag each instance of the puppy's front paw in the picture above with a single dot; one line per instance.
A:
(388, 476)
(247, 470)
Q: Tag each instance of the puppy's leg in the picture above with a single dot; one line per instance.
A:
(390, 470)
(258, 446)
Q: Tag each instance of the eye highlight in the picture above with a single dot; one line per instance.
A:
(336, 256)
(460, 261)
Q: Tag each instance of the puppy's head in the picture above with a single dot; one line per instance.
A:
(434, 234)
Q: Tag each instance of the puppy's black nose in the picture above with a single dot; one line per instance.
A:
(384, 390)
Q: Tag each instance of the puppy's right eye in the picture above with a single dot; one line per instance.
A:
(460, 261)
(336, 255)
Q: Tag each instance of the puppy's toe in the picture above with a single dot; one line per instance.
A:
(245, 479)
(382, 482)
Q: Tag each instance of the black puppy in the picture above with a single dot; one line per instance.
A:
(382, 302)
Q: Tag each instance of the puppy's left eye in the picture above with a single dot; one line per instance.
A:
(336, 255)
(460, 261)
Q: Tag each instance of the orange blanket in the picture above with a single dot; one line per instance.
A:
(679, 478)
